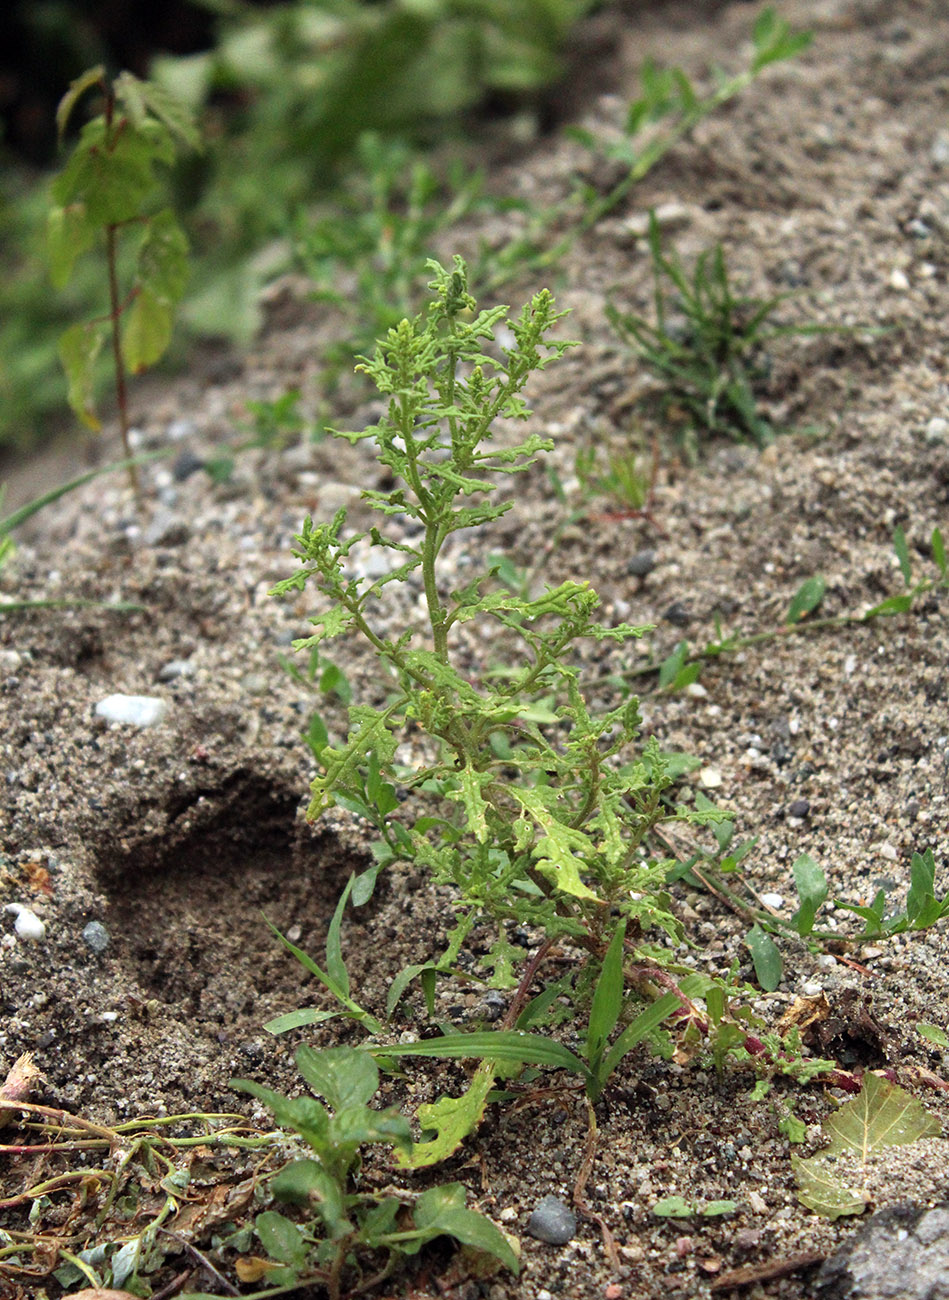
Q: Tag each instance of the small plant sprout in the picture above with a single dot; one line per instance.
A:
(106, 193)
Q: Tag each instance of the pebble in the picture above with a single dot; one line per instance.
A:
(811, 988)
(133, 710)
(176, 668)
(799, 808)
(166, 530)
(185, 465)
(677, 614)
(181, 429)
(888, 851)
(641, 563)
(899, 280)
(27, 924)
(710, 777)
(96, 936)
(773, 900)
(939, 150)
(937, 430)
(553, 1222)
(669, 216)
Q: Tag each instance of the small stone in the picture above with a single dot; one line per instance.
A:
(176, 668)
(773, 900)
(553, 1222)
(696, 690)
(96, 936)
(811, 988)
(888, 851)
(166, 530)
(677, 614)
(710, 777)
(133, 710)
(939, 150)
(757, 1203)
(641, 563)
(255, 684)
(799, 808)
(185, 465)
(179, 430)
(899, 280)
(937, 430)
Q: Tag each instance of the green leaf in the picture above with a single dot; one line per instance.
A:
(892, 605)
(933, 1034)
(307, 1182)
(634, 1033)
(673, 1207)
(146, 331)
(812, 890)
(143, 97)
(766, 958)
(507, 1046)
(335, 965)
(111, 173)
(345, 1076)
(78, 87)
(902, 554)
(806, 599)
(607, 999)
(69, 234)
(281, 1239)
(451, 1119)
(437, 1212)
(298, 1019)
(554, 849)
(882, 1115)
(939, 553)
(473, 800)
(162, 267)
(79, 347)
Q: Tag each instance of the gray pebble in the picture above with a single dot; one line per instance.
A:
(553, 1222)
(677, 614)
(176, 668)
(166, 530)
(799, 808)
(186, 465)
(641, 563)
(96, 936)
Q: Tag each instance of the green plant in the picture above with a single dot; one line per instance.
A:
(707, 344)
(103, 192)
(535, 819)
(343, 1218)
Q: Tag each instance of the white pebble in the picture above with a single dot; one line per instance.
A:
(811, 988)
(696, 690)
(772, 900)
(27, 924)
(887, 851)
(899, 280)
(937, 430)
(135, 710)
(710, 777)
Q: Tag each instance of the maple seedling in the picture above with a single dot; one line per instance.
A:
(106, 192)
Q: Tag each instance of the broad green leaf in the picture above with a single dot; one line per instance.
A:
(77, 88)
(162, 267)
(112, 173)
(553, 850)
(436, 1215)
(474, 802)
(766, 958)
(143, 97)
(345, 1076)
(352, 1128)
(69, 234)
(882, 1115)
(673, 1207)
(146, 330)
(79, 347)
(281, 1239)
(807, 597)
(933, 1034)
(307, 1182)
(902, 554)
(451, 1119)
(812, 890)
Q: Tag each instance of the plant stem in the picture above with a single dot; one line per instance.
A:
(121, 393)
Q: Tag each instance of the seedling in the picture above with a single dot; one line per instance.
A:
(707, 344)
(340, 1221)
(104, 193)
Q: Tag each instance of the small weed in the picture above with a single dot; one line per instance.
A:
(707, 345)
(103, 192)
(344, 1222)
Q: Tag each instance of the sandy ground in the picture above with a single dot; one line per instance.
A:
(830, 175)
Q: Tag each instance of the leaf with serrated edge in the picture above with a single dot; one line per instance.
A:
(451, 1119)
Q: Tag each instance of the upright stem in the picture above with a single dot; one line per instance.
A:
(121, 393)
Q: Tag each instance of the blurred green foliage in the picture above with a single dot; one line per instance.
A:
(284, 97)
